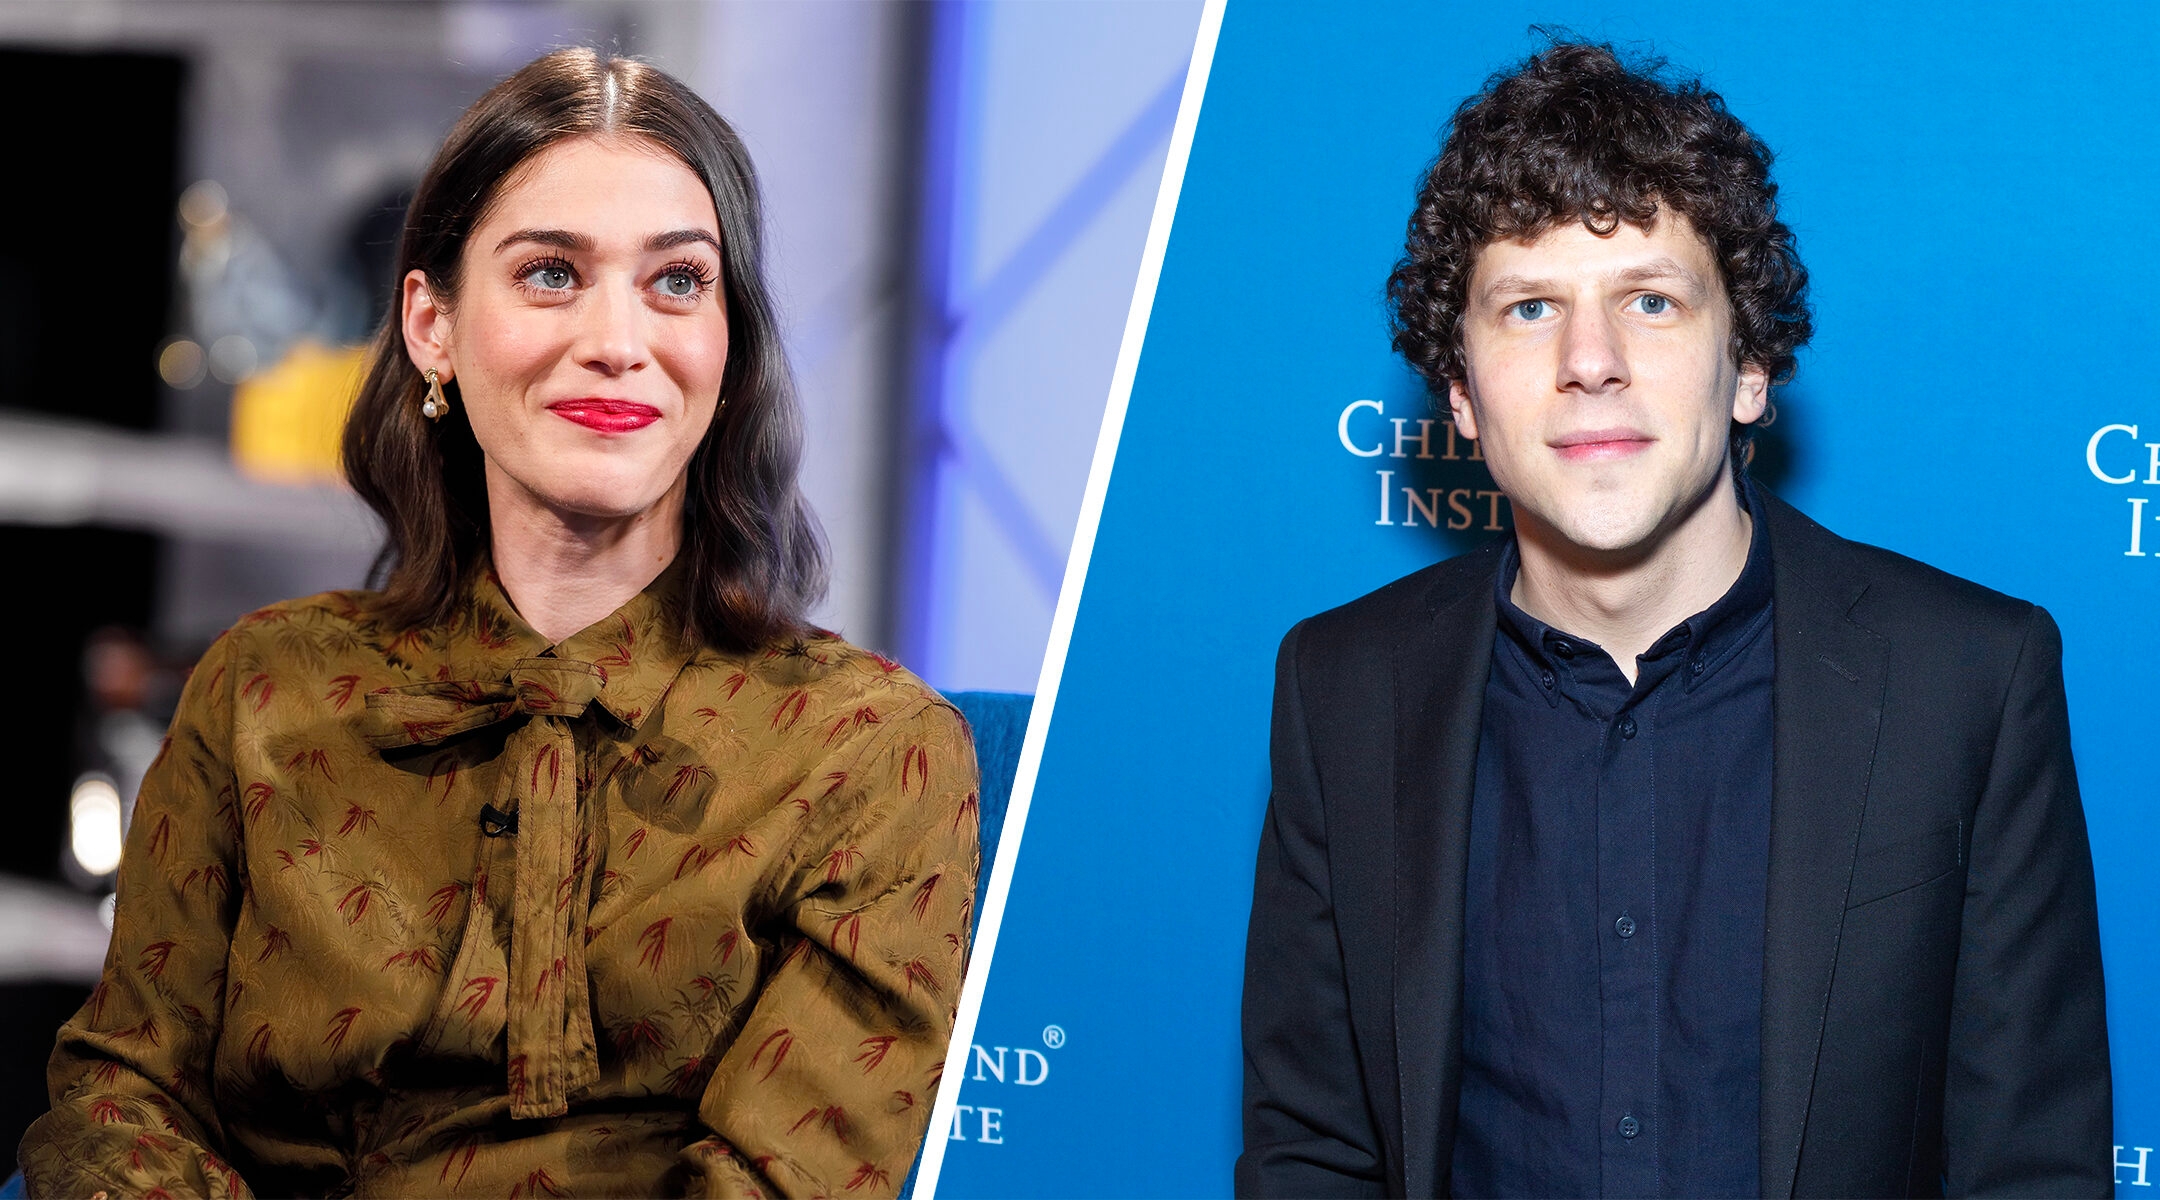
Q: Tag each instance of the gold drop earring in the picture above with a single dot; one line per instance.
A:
(436, 403)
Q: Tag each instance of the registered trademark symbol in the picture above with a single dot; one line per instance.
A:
(1053, 1036)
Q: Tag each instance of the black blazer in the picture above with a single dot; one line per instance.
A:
(1932, 1014)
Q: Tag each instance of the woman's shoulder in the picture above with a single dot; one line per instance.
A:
(818, 675)
(274, 657)
(345, 608)
(334, 632)
(342, 615)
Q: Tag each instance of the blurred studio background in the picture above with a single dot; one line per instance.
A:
(204, 200)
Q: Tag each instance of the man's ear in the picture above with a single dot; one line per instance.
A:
(1751, 394)
(1460, 409)
(427, 327)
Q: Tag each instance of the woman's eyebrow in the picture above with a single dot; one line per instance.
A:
(565, 239)
(680, 237)
(561, 238)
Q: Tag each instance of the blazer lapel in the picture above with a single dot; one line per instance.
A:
(1827, 710)
(1438, 702)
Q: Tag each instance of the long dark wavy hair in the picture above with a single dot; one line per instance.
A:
(754, 557)
(1576, 134)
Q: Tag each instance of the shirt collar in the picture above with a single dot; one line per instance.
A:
(639, 648)
(1700, 644)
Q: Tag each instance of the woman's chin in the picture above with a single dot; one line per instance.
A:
(583, 489)
(597, 511)
(588, 504)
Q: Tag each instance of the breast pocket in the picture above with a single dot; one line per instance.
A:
(1905, 864)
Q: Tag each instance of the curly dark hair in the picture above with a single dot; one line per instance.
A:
(1575, 133)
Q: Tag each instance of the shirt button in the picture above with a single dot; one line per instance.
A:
(1629, 1126)
(1625, 926)
(1546, 678)
(1561, 647)
(1626, 726)
(1697, 667)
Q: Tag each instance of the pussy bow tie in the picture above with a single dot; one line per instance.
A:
(551, 1048)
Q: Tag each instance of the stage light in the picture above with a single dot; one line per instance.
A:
(94, 824)
(232, 358)
(204, 203)
(181, 363)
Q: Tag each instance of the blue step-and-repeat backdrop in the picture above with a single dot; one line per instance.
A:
(1975, 191)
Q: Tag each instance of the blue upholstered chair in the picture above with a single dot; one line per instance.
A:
(1000, 723)
(999, 720)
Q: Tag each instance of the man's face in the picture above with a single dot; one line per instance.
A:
(1600, 380)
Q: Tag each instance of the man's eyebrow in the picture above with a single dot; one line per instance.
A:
(1660, 268)
(1657, 269)
(1513, 285)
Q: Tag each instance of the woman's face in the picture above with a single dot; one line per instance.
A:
(589, 333)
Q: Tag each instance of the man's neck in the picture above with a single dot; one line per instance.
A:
(564, 572)
(1626, 601)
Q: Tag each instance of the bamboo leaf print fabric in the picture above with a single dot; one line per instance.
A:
(458, 913)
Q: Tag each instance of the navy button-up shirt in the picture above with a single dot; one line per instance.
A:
(1613, 914)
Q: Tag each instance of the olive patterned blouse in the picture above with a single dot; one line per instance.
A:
(457, 913)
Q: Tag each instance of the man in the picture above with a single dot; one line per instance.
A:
(1674, 845)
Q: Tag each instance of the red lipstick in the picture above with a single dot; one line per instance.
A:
(606, 416)
(1593, 444)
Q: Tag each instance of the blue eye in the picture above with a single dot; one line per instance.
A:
(1529, 310)
(680, 284)
(1652, 305)
(551, 276)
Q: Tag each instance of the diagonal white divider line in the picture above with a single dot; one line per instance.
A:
(1068, 605)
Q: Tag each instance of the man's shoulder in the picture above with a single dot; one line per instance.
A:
(1388, 612)
(1889, 592)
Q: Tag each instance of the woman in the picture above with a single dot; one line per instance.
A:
(572, 861)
